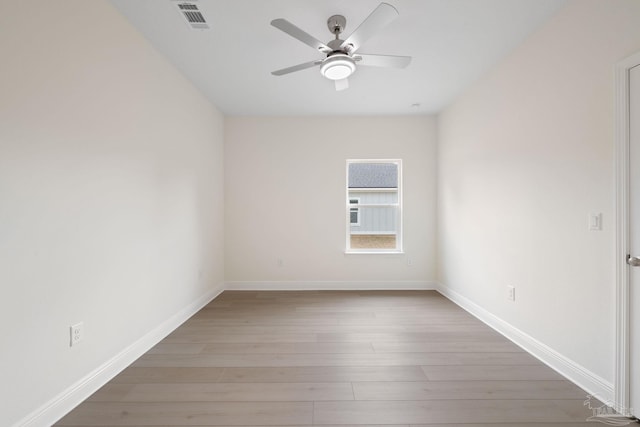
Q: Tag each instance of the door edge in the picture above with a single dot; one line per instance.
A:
(622, 361)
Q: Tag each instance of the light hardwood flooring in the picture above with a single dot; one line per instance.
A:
(393, 358)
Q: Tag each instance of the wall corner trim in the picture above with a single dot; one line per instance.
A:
(365, 285)
(52, 411)
(587, 380)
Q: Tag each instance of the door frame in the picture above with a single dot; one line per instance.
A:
(622, 359)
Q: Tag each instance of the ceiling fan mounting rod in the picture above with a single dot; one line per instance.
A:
(336, 24)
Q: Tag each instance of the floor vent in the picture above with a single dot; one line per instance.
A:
(192, 14)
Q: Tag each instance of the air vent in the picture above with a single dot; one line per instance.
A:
(192, 14)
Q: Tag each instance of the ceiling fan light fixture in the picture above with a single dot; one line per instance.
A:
(338, 66)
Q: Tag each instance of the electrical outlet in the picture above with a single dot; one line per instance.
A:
(511, 293)
(77, 333)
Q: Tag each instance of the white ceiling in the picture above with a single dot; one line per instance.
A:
(452, 42)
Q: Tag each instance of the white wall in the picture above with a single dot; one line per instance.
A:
(111, 185)
(285, 198)
(524, 156)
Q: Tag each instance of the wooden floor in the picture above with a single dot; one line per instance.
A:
(394, 358)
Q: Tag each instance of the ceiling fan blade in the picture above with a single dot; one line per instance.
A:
(296, 68)
(380, 17)
(342, 84)
(297, 33)
(382, 60)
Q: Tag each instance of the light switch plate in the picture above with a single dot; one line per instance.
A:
(595, 221)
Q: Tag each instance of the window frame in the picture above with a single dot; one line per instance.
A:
(399, 210)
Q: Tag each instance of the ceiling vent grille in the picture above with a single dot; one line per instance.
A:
(190, 12)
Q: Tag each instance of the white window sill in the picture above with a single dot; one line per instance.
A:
(373, 252)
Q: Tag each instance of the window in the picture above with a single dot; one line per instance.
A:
(354, 213)
(375, 226)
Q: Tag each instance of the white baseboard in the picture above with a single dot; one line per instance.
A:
(59, 406)
(587, 380)
(330, 285)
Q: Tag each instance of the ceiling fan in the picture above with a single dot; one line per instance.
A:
(340, 55)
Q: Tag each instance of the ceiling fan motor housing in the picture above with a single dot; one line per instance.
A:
(335, 45)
